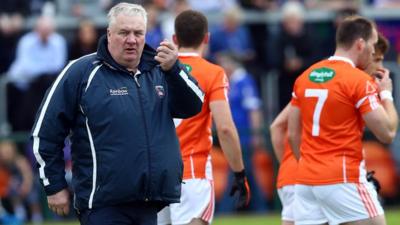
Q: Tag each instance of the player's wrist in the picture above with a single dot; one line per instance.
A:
(240, 174)
(386, 95)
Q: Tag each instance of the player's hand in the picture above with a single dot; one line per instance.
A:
(293, 64)
(241, 188)
(59, 202)
(373, 180)
(167, 54)
(383, 80)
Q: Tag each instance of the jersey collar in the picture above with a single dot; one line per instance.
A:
(341, 58)
(188, 54)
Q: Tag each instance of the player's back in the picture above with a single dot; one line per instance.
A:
(195, 133)
(332, 96)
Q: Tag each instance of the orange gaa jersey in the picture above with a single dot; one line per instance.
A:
(195, 133)
(288, 168)
(332, 96)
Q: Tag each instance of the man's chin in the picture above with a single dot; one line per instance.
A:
(131, 61)
(131, 58)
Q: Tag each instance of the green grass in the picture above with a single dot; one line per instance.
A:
(259, 219)
(392, 217)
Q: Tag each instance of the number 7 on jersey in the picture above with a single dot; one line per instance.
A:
(322, 95)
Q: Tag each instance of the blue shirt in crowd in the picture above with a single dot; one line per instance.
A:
(243, 98)
(35, 58)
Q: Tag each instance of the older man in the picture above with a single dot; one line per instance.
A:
(117, 105)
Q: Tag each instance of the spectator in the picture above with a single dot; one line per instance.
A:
(154, 33)
(85, 42)
(331, 5)
(167, 24)
(210, 6)
(12, 13)
(260, 38)
(294, 49)
(19, 180)
(247, 115)
(232, 37)
(31, 73)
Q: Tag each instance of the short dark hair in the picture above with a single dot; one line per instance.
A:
(382, 46)
(190, 28)
(353, 28)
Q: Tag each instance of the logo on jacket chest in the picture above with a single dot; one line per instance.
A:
(119, 91)
(160, 91)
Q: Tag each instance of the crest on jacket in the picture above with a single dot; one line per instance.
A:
(160, 91)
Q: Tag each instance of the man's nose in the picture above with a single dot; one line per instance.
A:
(131, 38)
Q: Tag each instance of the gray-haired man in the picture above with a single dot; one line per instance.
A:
(118, 106)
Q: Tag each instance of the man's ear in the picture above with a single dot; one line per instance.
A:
(206, 38)
(175, 39)
(360, 44)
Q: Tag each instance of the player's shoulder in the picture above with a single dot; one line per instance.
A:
(362, 74)
(203, 66)
(335, 68)
(211, 66)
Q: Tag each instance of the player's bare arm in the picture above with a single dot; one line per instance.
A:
(294, 130)
(278, 130)
(227, 134)
(383, 121)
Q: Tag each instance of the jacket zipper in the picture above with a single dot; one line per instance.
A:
(146, 198)
(136, 79)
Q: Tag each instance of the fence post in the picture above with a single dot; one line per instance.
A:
(5, 128)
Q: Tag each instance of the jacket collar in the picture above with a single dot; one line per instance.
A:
(147, 61)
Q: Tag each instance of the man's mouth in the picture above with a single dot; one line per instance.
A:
(130, 50)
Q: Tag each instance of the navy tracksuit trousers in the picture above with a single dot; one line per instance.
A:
(125, 214)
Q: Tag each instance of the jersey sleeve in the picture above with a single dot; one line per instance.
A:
(365, 94)
(219, 87)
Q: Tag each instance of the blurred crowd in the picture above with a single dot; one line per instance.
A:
(32, 56)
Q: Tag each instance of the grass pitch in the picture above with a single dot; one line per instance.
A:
(392, 218)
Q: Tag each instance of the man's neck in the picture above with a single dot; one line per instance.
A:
(198, 50)
(347, 54)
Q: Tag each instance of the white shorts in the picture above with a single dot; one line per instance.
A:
(197, 201)
(286, 194)
(339, 203)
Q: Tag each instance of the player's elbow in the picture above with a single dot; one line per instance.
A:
(273, 127)
(225, 130)
(276, 129)
(387, 137)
